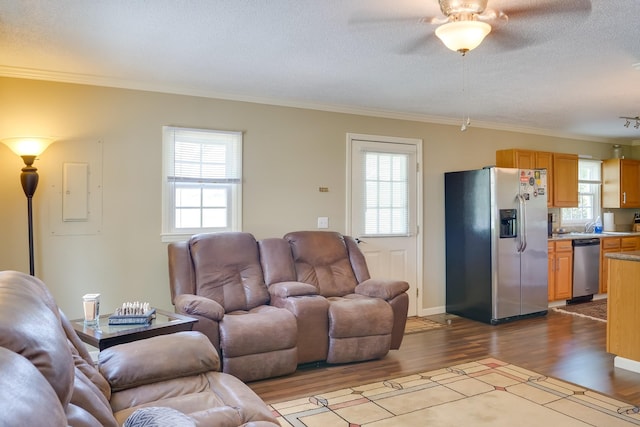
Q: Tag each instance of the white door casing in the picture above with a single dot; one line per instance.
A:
(388, 228)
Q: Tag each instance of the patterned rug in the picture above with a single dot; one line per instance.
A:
(419, 324)
(596, 310)
(484, 393)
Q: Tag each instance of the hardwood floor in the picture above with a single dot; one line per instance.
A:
(566, 347)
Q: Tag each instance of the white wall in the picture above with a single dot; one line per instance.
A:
(288, 154)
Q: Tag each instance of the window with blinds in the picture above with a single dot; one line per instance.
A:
(589, 183)
(203, 180)
(386, 194)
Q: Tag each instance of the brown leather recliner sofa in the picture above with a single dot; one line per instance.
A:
(272, 304)
(47, 378)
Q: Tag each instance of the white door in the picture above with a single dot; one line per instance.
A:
(384, 190)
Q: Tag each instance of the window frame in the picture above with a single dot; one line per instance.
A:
(379, 181)
(597, 197)
(170, 233)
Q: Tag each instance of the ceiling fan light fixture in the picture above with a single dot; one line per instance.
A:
(463, 36)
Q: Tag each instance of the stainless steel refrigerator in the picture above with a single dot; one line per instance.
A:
(496, 243)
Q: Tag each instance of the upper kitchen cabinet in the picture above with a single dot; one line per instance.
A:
(562, 172)
(565, 180)
(620, 183)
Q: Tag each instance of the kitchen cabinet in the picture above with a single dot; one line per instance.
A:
(620, 183)
(544, 160)
(560, 260)
(565, 180)
(614, 244)
(629, 243)
(623, 339)
(551, 276)
(607, 245)
(562, 172)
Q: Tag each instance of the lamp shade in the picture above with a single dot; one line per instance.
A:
(28, 146)
(463, 36)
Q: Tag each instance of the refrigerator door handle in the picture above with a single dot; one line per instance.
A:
(523, 224)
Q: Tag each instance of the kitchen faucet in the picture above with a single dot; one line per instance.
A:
(589, 227)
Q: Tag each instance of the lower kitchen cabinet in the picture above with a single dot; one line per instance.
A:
(560, 260)
(614, 244)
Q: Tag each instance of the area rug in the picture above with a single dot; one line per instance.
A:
(483, 393)
(420, 324)
(596, 310)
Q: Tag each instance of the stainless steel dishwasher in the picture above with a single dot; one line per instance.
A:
(586, 269)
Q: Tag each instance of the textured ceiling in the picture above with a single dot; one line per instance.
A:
(559, 67)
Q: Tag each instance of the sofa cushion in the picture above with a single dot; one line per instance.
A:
(358, 316)
(276, 261)
(321, 259)
(199, 306)
(155, 416)
(30, 326)
(384, 289)
(27, 398)
(154, 360)
(227, 270)
(260, 330)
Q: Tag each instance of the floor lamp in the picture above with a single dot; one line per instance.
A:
(29, 149)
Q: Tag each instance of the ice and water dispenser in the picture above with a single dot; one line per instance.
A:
(508, 223)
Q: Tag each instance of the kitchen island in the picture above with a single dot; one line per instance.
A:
(623, 316)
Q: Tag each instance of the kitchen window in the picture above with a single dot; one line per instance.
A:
(202, 182)
(589, 183)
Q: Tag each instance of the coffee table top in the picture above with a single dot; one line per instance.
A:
(104, 335)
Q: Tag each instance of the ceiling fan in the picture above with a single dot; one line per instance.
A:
(464, 27)
(464, 24)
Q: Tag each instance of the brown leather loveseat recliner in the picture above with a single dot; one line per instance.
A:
(311, 290)
(47, 377)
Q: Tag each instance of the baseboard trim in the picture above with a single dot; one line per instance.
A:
(626, 364)
(433, 310)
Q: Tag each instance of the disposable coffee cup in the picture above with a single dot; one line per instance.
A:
(91, 306)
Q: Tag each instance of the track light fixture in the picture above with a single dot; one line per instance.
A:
(628, 121)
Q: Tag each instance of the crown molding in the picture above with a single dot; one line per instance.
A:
(95, 80)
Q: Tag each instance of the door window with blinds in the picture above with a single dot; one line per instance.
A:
(202, 181)
(386, 194)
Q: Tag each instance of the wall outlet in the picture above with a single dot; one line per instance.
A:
(323, 222)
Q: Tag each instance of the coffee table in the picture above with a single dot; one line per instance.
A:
(103, 335)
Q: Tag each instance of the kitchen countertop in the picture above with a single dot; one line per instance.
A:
(625, 256)
(604, 234)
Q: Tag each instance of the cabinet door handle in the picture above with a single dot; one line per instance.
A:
(624, 197)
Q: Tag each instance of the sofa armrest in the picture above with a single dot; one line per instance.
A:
(380, 288)
(292, 289)
(157, 359)
(199, 305)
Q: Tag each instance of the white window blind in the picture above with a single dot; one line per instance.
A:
(203, 172)
(386, 194)
(589, 183)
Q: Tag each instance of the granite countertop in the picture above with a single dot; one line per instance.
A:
(625, 256)
(605, 234)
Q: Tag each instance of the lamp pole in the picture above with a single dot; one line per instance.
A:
(28, 148)
(29, 180)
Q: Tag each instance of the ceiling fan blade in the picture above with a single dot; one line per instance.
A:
(503, 40)
(376, 20)
(549, 7)
(419, 45)
(491, 15)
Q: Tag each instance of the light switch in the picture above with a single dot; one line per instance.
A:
(323, 222)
